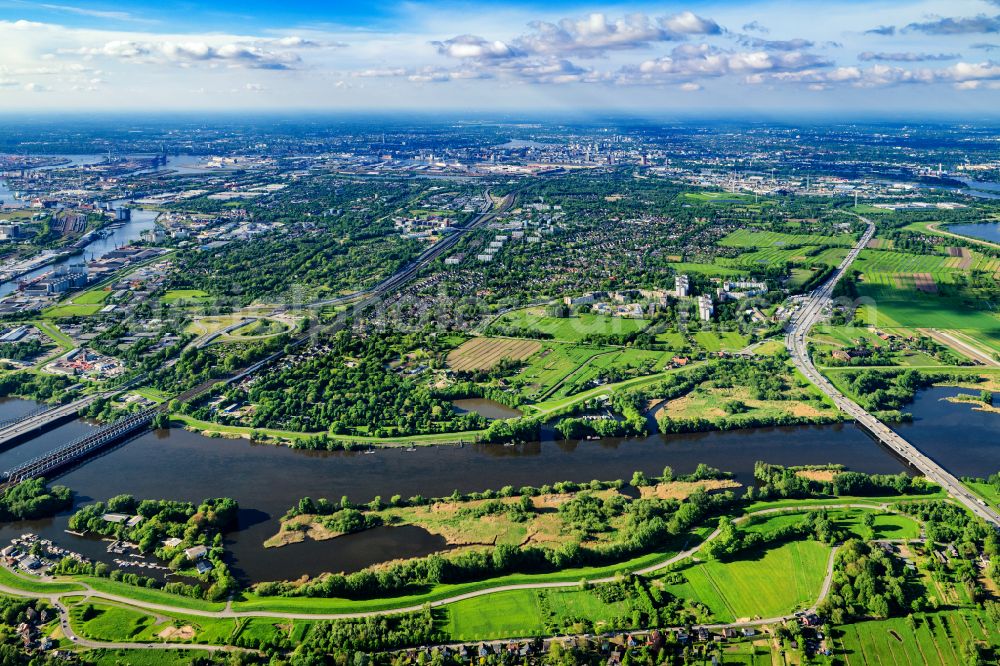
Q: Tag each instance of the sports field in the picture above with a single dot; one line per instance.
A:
(766, 583)
(772, 256)
(484, 353)
(175, 295)
(714, 341)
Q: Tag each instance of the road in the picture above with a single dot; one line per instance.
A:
(228, 612)
(814, 309)
(56, 599)
(364, 299)
(962, 347)
(43, 419)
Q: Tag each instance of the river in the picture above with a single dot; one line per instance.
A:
(121, 235)
(267, 480)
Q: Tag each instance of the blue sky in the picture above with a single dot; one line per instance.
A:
(887, 57)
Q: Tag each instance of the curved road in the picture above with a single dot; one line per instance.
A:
(227, 612)
(812, 311)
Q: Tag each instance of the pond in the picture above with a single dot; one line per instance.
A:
(485, 407)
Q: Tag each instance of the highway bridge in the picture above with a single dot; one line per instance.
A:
(812, 310)
(41, 419)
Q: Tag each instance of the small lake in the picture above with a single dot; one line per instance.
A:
(485, 407)
(267, 480)
(988, 231)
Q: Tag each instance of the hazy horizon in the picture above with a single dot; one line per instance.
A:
(889, 58)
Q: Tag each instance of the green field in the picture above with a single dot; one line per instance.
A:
(553, 364)
(711, 270)
(760, 239)
(111, 622)
(184, 295)
(92, 297)
(773, 582)
(938, 640)
(50, 329)
(895, 308)
(776, 256)
(737, 589)
(502, 615)
(713, 341)
(571, 329)
(718, 197)
(887, 261)
(59, 311)
(621, 360)
(887, 525)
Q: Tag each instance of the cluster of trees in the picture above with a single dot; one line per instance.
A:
(739, 421)
(197, 365)
(578, 428)
(35, 386)
(352, 387)
(503, 431)
(72, 567)
(344, 518)
(868, 582)
(775, 481)
(733, 541)
(25, 350)
(504, 329)
(320, 252)
(642, 602)
(194, 525)
(334, 641)
(32, 499)
(889, 390)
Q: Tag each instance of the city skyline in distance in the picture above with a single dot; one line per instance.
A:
(891, 58)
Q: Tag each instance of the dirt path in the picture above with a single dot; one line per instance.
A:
(228, 612)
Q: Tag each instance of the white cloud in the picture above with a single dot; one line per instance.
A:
(592, 35)
(694, 61)
(232, 54)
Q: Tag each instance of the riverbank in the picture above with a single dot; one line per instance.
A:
(209, 624)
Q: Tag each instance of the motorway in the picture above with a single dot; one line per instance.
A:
(364, 299)
(42, 419)
(814, 309)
